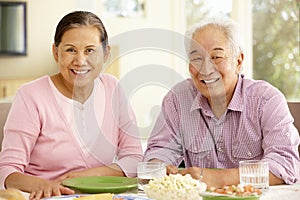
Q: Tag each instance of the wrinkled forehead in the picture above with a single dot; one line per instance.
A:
(207, 40)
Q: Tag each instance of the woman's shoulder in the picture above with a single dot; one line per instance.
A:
(108, 78)
(37, 86)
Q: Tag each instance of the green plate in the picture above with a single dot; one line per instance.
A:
(101, 184)
(214, 196)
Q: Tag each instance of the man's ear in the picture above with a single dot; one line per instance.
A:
(54, 52)
(240, 60)
(106, 53)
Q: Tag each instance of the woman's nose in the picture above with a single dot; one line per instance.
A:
(80, 59)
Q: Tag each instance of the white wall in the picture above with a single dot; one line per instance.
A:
(43, 16)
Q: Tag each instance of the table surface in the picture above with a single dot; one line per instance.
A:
(279, 192)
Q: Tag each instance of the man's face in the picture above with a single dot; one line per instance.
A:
(213, 66)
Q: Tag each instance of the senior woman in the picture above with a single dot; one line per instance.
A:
(218, 117)
(71, 124)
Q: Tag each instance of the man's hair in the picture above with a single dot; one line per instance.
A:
(226, 25)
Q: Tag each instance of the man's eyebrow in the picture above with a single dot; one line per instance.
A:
(218, 49)
(194, 51)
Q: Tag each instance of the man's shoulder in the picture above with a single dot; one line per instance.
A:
(185, 86)
(259, 89)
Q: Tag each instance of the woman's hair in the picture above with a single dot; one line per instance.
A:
(226, 25)
(77, 19)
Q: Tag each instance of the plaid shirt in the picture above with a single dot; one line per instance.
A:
(256, 125)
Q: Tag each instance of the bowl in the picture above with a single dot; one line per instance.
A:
(175, 187)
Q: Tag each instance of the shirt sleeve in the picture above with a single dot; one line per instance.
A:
(129, 151)
(165, 142)
(20, 134)
(280, 139)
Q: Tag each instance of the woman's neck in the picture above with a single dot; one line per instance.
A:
(71, 91)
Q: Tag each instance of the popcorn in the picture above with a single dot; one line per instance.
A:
(176, 187)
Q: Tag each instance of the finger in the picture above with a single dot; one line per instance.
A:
(47, 193)
(38, 195)
(172, 169)
(32, 195)
(56, 191)
(66, 190)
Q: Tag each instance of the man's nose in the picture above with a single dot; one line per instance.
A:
(207, 66)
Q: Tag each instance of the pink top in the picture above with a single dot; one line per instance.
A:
(47, 134)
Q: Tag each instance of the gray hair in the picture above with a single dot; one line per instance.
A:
(226, 25)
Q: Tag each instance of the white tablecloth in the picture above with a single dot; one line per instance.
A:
(280, 192)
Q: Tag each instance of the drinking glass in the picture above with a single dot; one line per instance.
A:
(147, 171)
(255, 173)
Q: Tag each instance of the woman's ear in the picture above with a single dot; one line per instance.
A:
(54, 52)
(106, 53)
(239, 60)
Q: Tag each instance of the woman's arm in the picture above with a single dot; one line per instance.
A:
(37, 187)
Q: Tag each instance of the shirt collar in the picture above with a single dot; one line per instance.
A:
(236, 103)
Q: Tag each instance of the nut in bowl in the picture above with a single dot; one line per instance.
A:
(232, 192)
(175, 187)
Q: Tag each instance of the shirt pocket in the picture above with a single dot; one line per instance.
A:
(247, 149)
(199, 151)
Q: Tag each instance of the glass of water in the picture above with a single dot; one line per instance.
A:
(255, 173)
(147, 171)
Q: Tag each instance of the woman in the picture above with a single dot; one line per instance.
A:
(71, 124)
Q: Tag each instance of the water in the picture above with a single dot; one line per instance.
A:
(146, 171)
(143, 180)
(256, 180)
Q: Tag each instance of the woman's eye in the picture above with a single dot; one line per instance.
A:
(90, 50)
(71, 50)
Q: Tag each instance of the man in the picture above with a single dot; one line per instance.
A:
(218, 117)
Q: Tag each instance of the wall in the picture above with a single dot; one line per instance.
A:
(146, 95)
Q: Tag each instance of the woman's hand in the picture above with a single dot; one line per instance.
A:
(37, 187)
(44, 188)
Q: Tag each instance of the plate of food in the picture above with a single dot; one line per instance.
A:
(232, 192)
(101, 184)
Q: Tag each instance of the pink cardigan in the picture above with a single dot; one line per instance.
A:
(39, 141)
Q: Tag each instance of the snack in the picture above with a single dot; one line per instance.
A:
(238, 190)
(175, 187)
(11, 194)
(103, 196)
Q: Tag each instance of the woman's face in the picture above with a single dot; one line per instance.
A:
(80, 55)
(213, 66)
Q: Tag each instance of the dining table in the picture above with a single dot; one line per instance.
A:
(278, 192)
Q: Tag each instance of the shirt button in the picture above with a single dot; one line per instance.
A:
(249, 154)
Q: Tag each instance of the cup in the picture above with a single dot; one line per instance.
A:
(255, 173)
(147, 171)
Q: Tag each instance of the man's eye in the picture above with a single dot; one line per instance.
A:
(216, 57)
(198, 59)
